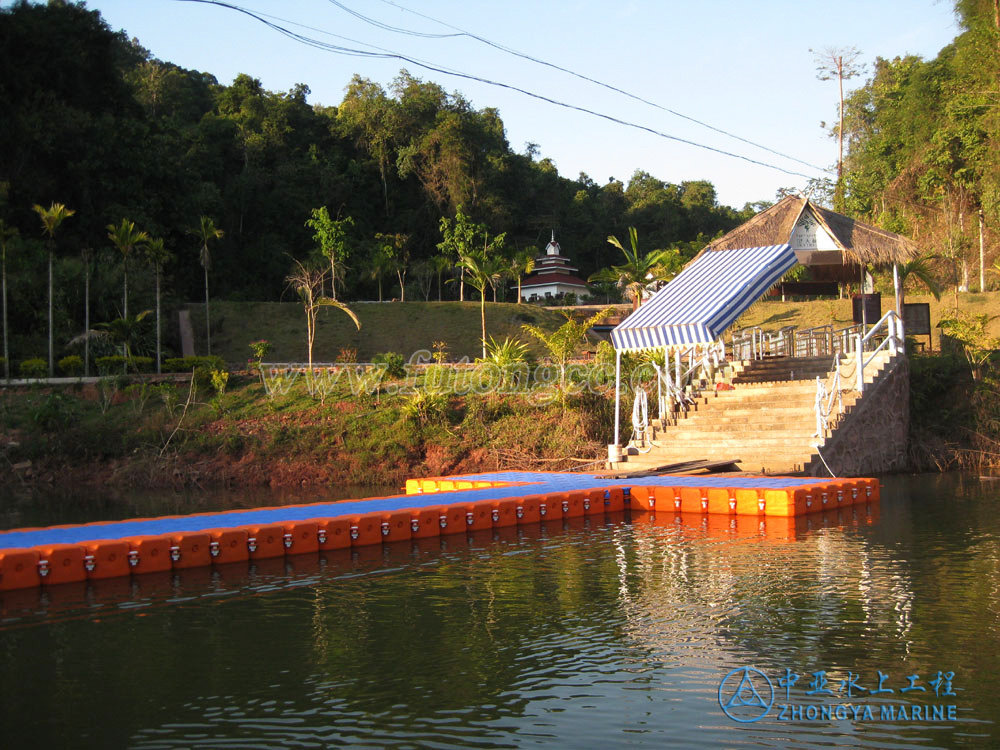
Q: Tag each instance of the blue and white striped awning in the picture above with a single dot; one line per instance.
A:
(704, 299)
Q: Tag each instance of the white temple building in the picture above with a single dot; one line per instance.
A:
(553, 276)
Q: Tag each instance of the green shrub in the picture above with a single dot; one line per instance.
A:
(56, 412)
(394, 364)
(116, 364)
(71, 366)
(35, 367)
(187, 364)
(110, 365)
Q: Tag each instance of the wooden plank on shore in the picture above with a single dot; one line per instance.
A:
(683, 467)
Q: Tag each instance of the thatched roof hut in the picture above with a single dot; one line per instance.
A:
(820, 237)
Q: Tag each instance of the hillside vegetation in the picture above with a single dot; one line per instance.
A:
(402, 327)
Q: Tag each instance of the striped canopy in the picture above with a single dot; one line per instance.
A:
(704, 299)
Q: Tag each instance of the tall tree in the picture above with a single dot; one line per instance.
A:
(126, 238)
(308, 283)
(394, 248)
(87, 256)
(379, 264)
(331, 236)
(206, 232)
(460, 235)
(158, 256)
(840, 63)
(51, 218)
(483, 269)
(7, 234)
(521, 264)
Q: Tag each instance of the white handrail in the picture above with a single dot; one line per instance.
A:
(893, 341)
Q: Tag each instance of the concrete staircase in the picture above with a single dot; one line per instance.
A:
(767, 420)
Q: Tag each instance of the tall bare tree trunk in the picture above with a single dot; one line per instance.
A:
(982, 256)
(208, 322)
(52, 368)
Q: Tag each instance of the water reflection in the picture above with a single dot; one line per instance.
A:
(582, 634)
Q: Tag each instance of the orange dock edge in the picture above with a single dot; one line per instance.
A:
(64, 563)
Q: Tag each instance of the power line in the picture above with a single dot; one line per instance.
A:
(385, 55)
(554, 66)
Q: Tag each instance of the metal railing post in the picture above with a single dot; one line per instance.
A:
(618, 374)
(861, 364)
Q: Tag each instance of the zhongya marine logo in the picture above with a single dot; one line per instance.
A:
(746, 695)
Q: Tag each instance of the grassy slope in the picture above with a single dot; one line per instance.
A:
(411, 326)
(398, 327)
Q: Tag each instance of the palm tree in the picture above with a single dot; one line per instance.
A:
(6, 235)
(380, 263)
(480, 272)
(158, 255)
(564, 342)
(398, 257)
(125, 331)
(51, 218)
(522, 264)
(207, 231)
(920, 269)
(126, 238)
(638, 270)
(308, 283)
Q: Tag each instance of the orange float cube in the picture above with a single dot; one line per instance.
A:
(614, 499)
(333, 533)
(301, 537)
(395, 526)
(61, 563)
(593, 502)
(694, 500)
(107, 558)
(529, 509)
(425, 522)
(667, 498)
(750, 502)
(789, 502)
(481, 515)
(573, 507)
(504, 513)
(264, 541)
(149, 554)
(366, 529)
(550, 506)
(638, 498)
(191, 549)
(19, 569)
(229, 546)
(453, 520)
(721, 501)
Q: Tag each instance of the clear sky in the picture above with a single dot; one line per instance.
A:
(740, 66)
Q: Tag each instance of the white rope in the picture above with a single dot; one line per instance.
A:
(832, 475)
(640, 420)
(823, 411)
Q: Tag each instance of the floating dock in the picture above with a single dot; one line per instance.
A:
(431, 507)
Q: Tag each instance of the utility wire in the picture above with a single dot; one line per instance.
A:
(554, 66)
(351, 52)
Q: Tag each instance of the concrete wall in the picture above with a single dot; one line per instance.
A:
(872, 439)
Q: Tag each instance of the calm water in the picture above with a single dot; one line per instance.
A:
(598, 635)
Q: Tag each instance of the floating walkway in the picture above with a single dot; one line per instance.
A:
(432, 507)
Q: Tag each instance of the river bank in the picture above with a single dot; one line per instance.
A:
(244, 432)
(169, 435)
